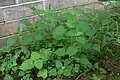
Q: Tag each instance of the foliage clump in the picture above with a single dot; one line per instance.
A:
(60, 44)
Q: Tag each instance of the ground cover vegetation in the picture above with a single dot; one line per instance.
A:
(66, 44)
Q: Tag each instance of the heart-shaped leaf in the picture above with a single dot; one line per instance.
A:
(42, 73)
(35, 56)
(58, 64)
(27, 64)
(38, 64)
(60, 52)
(71, 51)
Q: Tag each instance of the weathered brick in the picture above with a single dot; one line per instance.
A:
(6, 2)
(16, 13)
(82, 2)
(1, 15)
(94, 6)
(68, 3)
(9, 28)
(12, 27)
(60, 3)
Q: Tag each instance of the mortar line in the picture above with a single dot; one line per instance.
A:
(13, 34)
(20, 4)
(31, 16)
(15, 20)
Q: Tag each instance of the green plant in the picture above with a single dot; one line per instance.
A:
(65, 43)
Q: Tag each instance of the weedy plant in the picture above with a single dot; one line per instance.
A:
(63, 43)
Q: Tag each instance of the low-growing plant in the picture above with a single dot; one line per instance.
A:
(63, 43)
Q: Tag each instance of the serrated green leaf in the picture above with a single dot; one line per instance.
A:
(38, 64)
(88, 16)
(82, 26)
(57, 37)
(59, 32)
(87, 46)
(35, 56)
(90, 32)
(81, 40)
(79, 34)
(70, 25)
(66, 62)
(68, 70)
(58, 64)
(71, 51)
(60, 71)
(27, 39)
(84, 60)
(96, 47)
(73, 32)
(70, 17)
(53, 72)
(45, 54)
(26, 22)
(70, 32)
(27, 64)
(60, 52)
(40, 25)
(42, 73)
(70, 67)
(39, 36)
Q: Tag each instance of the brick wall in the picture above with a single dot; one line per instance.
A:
(10, 16)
